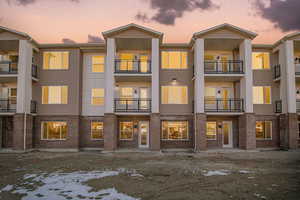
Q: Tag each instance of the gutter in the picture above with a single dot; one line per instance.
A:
(24, 131)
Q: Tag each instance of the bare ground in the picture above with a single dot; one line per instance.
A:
(248, 175)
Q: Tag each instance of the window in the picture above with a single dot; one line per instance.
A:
(262, 95)
(126, 130)
(54, 130)
(56, 60)
(98, 63)
(97, 96)
(174, 59)
(126, 93)
(261, 60)
(174, 95)
(175, 130)
(12, 95)
(97, 130)
(54, 94)
(210, 95)
(263, 130)
(211, 130)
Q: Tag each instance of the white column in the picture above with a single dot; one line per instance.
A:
(155, 75)
(287, 84)
(246, 82)
(24, 84)
(199, 75)
(109, 75)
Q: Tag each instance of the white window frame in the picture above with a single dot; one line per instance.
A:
(92, 64)
(42, 131)
(98, 97)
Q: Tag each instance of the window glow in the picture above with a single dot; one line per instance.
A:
(175, 130)
(54, 94)
(97, 96)
(97, 130)
(261, 60)
(174, 59)
(126, 130)
(56, 60)
(54, 130)
(98, 63)
(211, 130)
(174, 95)
(263, 130)
(262, 95)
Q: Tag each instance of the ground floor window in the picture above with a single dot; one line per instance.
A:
(126, 130)
(211, 130)
(96, 130)
(54, 130)
(263, 130)
(175, 130)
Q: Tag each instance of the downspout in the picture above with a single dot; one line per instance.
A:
(24, 131)
(195, 132)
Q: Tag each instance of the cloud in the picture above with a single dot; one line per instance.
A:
(94, 39)
(169, 10)
(68, 41)
(283, 13)
(28, 2)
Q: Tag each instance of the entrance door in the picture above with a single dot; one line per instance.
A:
(227, 134)
(144, 134)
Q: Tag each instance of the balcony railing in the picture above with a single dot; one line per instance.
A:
(8, 105)
(298, 105)
(276, 71)
(223, 67)
(297, 66)
(132, 105)
(223, 105)
(8, 67)
(132, 66)
(34, 71)
(33, 106)
(278, 106)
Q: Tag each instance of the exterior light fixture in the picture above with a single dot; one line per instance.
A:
(174, 81)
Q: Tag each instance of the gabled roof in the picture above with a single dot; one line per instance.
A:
(245, 32)
(129, 26)
(25, 35)
(285, 38)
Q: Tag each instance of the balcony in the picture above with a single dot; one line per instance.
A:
(34, 71)
(223, 105)
(8, 105)
(297, 66)
(223, 67)
(276, 72)
(8, 67)
(278, 106)
(132, 105)
(298, 105)
(132, 66)
(33, 107)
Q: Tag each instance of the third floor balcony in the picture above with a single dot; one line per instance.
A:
(223, 67)
(139, 66)
(223, 105)
(8, 68)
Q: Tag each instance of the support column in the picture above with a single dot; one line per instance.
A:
(247, 81)
(110, 132)
(24, 84)
(200, 142)
(155, 75)
(199, 83)
(247, 136)
(22, 137)
(155, 132)
(288, 130)
(109, 75)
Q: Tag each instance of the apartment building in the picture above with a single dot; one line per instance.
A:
(134, 91)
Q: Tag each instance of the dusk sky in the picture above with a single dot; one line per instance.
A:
(56, 21)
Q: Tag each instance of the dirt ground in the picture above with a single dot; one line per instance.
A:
(208, 175)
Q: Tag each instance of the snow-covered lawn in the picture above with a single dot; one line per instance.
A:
(66, 186)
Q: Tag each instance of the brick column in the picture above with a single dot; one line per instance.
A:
(110, 132)
(247, 136)
(18, 133)
(155, 132)
(288, 130)
(200, 141)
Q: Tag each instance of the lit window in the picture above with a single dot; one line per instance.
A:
(54, 130)
(211, 130)
(175, 130)
(263, 130)
(54, 94)
(56, 60)
(262, 95)
(174, 59)
(174, 95)
(210, 95)
(97, 96)
(98, 63)
(126, 130)
(97, 130)
(261, 60)
(126, 93)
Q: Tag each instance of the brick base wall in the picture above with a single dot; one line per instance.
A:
(200, 132)
(288, 125)
(110, 132)
(18, 132)
(247, 136)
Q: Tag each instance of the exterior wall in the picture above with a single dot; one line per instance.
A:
(85, 140)
(275, 141)
(218, 143)
(70, 77)
(179, 143)
(72, 139)
(91, 80)
(184, 78)
(18, 133)
(6, 135)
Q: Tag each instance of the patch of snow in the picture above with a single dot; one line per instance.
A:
(244, 172)
(217, 173)
(251, 177)
(7, 188)
(64, 186)
(259, 196)
(136, 175)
